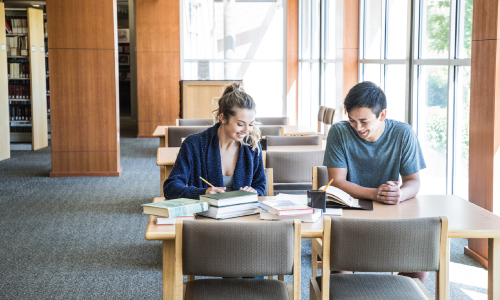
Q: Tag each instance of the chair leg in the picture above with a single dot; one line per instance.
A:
(314, 263)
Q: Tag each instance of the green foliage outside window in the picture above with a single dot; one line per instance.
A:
(436, 114)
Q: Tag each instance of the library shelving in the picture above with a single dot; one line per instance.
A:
(26, 78)
(4, 95)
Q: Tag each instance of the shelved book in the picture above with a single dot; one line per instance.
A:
(285, 208)
(230, 198)
(230, 211)
(171, 221)
(175, 207)
(309, 218)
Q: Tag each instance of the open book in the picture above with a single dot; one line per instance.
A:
(339, 196)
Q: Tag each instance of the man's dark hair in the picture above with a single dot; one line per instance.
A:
(366, 94)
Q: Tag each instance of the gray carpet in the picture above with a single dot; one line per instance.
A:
(83, 238)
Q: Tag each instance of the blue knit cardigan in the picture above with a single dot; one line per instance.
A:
(200, 156)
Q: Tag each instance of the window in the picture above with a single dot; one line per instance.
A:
(240, 40)
(316, 59)
(427, 84)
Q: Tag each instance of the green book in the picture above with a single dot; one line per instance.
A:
(175, 207)
(230, 198)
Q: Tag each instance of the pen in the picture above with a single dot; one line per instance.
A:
(327, 186)
(206, 182)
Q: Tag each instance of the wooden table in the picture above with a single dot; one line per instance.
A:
(165, 157)
(286, 130)
(466, 220)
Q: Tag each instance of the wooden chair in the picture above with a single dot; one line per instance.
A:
(321, 117)
(329, 119)
(319, 179)
(291, 169)
(174, 134)
(381, 245)
(237, 249)
(271, 130)
(194, 122)
(294, 140)
(273, 121)
(269, 191)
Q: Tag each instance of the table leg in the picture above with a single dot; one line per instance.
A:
(494, 268)
(162, 141)
(168, 269)
(164, 173)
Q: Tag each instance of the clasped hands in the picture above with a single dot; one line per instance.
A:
(389, 193)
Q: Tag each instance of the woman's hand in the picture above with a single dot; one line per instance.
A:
(215, 190)
(248, 189)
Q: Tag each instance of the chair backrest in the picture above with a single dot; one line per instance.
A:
(273, 121)
(195, 122)
(271, 130)
(321, 113)
(319, 177)
(293, 140)
(174, 134)
(293, 166)
(234, 249)
(385, 245)
(269, 182)
(329, 116)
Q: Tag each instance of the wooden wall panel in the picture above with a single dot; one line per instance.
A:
(350, 45)
(485, 20)
(292, 61)
(4, 96)
(199, 98)
(158, 63)
(40, 136)
(484, 130)
(91, 89)
(158, 87)
(158, 25)
(81, 24)
(84, 88)
(351, 24)
(86, 164)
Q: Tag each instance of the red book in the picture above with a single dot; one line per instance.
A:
(8, 27)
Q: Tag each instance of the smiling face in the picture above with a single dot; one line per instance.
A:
(366, 123)
(238, 126)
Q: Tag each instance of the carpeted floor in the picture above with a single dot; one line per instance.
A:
(83, 238)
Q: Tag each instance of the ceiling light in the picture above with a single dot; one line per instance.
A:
(36, 5)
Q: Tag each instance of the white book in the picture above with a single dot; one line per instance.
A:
(310, 218)
(339, 196)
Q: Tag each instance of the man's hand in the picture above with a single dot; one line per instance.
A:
(248, 189)
(215, 190)
(389, 193)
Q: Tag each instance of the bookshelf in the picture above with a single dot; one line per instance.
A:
(26, 99)
(4, 95)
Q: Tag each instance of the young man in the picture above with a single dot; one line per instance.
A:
(366, 155)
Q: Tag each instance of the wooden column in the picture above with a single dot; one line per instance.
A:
(484, 141)
(292, 61)
(4, 96)
(350, 50)
(158, 64)
(84, 88)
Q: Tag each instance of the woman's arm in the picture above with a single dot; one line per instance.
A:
(176, 184)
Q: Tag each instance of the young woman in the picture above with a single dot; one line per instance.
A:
(227, 155)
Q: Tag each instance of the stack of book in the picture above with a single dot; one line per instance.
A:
(288, 209)
(230, 205)
(166, 212)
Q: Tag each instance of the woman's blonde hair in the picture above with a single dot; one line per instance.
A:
(234, 96)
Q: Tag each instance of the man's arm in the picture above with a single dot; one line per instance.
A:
(391, 193)
(339, 176)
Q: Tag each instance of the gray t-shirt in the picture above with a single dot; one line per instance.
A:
(369, 164)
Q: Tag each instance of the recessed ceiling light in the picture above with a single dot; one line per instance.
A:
(36, 5)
